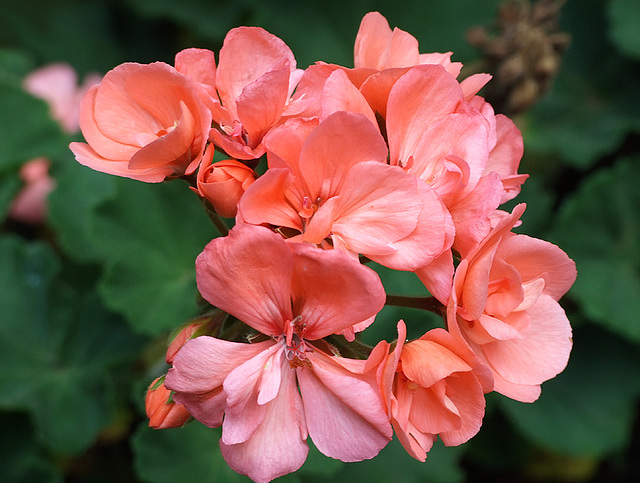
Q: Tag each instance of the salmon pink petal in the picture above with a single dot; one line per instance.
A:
(543, 354)
(470, 404)
(403, 50)
(331, 151)
(471, 214)
(472, 84)
(426, 242)
(344, 412)
(372, 41)
(247, 54)
(172, 148)
(278, 445)
(331, 291)
(437, 276)
(265, 201)
(199, 64)
(378, 205)
(444, 59)
(339, 94)
(86, 156)
(427, 362)
(237, 274)
(422, 96)
(377, 87)
(261, 103)
(534, 258)
(432, 411)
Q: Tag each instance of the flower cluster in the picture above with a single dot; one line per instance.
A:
(393, 161)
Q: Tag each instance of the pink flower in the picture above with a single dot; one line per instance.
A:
(250, 89)
(161, 410)
(29, 205)
(223, 183)
(331, 186)
(504, 304)
(145, 122)
(296, 295)
(58, 85)
(434, 386)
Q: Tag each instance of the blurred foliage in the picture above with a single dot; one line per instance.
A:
(87, 301)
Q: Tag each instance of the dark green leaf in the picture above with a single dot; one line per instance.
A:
(57, 346)
(589, 409)
(600, 229)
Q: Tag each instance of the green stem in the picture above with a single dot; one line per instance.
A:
(431, 304)
(214, 217)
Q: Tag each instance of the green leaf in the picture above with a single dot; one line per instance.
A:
(394, 464)
(625, 25)
(589, 409)
(9, 186)
(600, 229)
(147, 237)
(57, 346)
(28, 131)
(190, 453)
(21, 460)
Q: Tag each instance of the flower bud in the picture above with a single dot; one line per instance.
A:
(223, 183)
(162, 411)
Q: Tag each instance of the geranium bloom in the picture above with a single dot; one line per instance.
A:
(434, 386)
(504, 305)
(332, 186)
(294, 294)
(249, 89)
(143, 121)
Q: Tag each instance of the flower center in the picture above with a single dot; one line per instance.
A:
(296, 347)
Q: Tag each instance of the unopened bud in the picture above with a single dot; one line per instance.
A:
(161, 410)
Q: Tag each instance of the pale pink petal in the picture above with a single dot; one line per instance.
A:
(403, 50)
(472, 84)
(249, 388)
(344, 411)
(248, 274)
(278, 445)
(57, 85)
(505, 157)
(444, 59)
(199, 370)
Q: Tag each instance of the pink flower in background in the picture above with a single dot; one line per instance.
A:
(57, 84)
(223, 183)
(275, 392)
(504, 305)
(143, 121)
(332, 186)
(434, 386)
